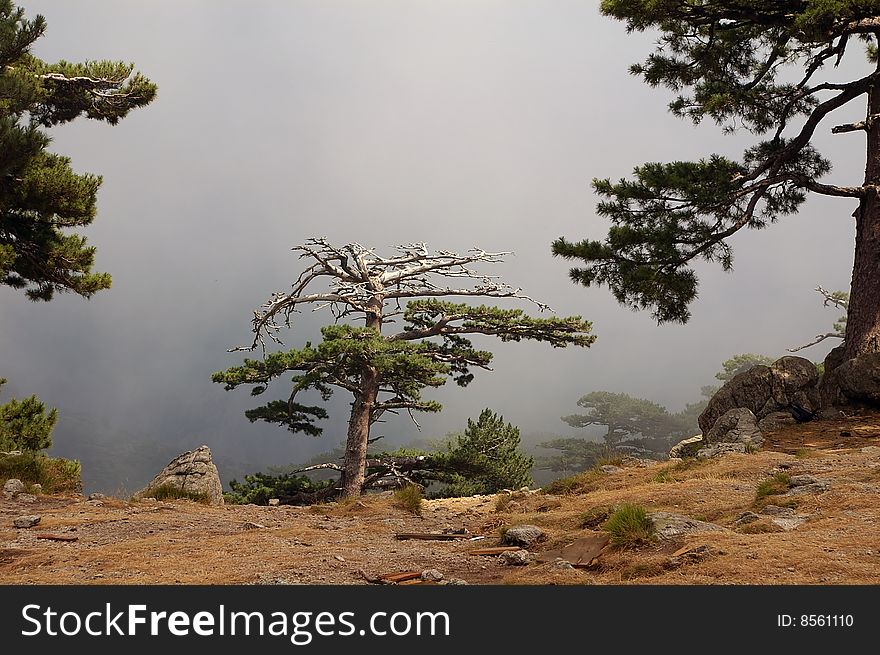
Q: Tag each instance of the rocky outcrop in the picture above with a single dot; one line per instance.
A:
(192, 472)
(764, 390)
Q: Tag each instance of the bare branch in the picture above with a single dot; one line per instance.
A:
(317, 467)
(819, 338)
(831, 299)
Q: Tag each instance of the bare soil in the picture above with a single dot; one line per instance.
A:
(150, 542)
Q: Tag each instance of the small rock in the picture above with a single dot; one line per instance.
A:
(806, 489)
(610, 468)
(339, 558)
(96, 496)
(26, 498)
(669, 525)
(432, 575)
(250, 525)
(457, 581)
(523, 535)
(789, 522)
(790, 569)
(37, 488)
(691, 556)
(562, 565)
(524, 490)
(12, 488)
(746, 517)
(273, 502)
(514, 558)
(801, 480)
(26, 521)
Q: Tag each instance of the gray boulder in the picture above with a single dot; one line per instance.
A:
(12, 488)
(737, 425)
(523, 535)
(193, 472)
(765, 389)
(610, 468)
(859, 378)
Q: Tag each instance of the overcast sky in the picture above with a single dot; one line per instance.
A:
(455, 122)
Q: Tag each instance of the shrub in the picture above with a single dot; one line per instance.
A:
(409, 498)
(629, 526)
(258, 488)
(56, 475)
(25, 424)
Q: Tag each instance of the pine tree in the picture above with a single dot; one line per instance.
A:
(386, 373)
(762, 67)
(41, 198)
(485, 459)
(25, 424)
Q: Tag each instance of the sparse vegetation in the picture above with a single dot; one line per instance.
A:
(54, 474)
(804, 453)
(171, 492)
(759, 527)
(629, 526)
(502, 500)
(673, 472)
(573, 484)
(593, 517)
(778, 484)
(409, 498)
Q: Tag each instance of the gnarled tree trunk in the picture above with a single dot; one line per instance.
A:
(863, 314)
(355, 460)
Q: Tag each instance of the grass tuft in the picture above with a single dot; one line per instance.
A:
(409, 498)
(169, 491)
(629, 526)
(778, 484)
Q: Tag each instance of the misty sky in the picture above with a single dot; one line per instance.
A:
(455, 122)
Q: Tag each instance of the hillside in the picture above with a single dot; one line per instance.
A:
(832, 520)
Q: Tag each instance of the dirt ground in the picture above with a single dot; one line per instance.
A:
(150, 542)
